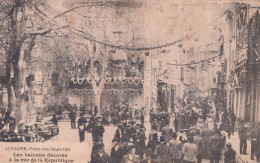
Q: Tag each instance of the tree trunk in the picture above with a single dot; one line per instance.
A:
(19, 80)
(97, 89)
(10, 90)
(97, 98)
(18, 84)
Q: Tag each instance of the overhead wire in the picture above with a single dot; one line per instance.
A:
(142, 48)
(195, 63)
(124, 47)
(91, 39)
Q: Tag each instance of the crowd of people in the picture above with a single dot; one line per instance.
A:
(199, 132)
(129, 146)
(160, 117)
(184, 144)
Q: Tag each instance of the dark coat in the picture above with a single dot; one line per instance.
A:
(140, 143)
(54, 120)
(116, 156)
(72, 116)
(98, 131)
(81, 121)
(152, 145)
(119, 135)
(230, 156)
(199, 142)
(7, 116)
(163, 153)
(98, 159)
(216, 143)
(242, 132)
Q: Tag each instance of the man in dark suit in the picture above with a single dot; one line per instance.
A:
(148, 157)
(81, 127)
(230, 154)
(97, 132)
(131, 156)
(242, 132)
(7, 115)
(116, 155)
(72, 117)
(163, 151)
(216, 145)
(175, 148)
(198, 140)
(100, 156)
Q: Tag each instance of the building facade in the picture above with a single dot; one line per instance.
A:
(242, 79)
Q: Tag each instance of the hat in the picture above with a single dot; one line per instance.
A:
(99, 118)
(174, 135)
(228, 145)
(162, 139)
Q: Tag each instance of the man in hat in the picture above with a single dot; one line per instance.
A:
(198, 140)
(216, 145)
(253, 138)
(81, 127)
(230, 154)
(153, 130)
(167, 132)
(12, 122)
(120, 133)
(175, 148)
(95, 148)
(116, 155)
(142, 118)
(232, 120)
(140, 143)
(176, 123)
(148, 157)
(189, 150)
(100, 156)
(162, 151)
(72, 117)
(130, 131)
(3, 110)
(54, 119)
(131, 156)
(242, 132)
(257, 144)
(206, 133)
(98, 131)
(7, 115)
